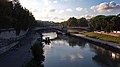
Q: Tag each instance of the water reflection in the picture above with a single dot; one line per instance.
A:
(106, 57)
(68, 51)
(38, 57)
(76, 42)
(51, 35)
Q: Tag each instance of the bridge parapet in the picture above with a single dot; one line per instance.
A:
(50, 27)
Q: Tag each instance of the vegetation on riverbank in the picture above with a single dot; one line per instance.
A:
(74, 31)
(102, 37)
(74, 22)
(14, 15)
(105, 23)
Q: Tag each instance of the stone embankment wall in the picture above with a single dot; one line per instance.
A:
(9, 39)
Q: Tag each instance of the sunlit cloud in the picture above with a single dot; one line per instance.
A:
(52, 10)
(106, 7)
(55, 2)
(46, 2)
(85, 10)
(66, 0)
(61, 11)
(79, 9)
(33, 10)
(87, 16)
(69, 10)
(47, 10)
(55, 18)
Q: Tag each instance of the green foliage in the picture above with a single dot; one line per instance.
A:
(13, 15)
(73, 31)
(82, 22)
(116, 21)
(97, 23)
(73, 22)
(103, 37)
(105, 23)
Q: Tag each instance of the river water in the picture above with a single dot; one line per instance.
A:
(68, 51)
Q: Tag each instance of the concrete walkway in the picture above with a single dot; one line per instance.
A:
(19, 56)
(97, 40)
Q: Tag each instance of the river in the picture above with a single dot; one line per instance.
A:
(62, 51)
(68, 51)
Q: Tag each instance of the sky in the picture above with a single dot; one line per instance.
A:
(61, 10)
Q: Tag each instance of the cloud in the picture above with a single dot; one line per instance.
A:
(106, 7)
(56, 18)
(55, 2)
(87, 16)
(85, 10)
(69, 10)
(65, 0)
(46, 2)
(33, 10)
(79, 8)
(62, 19)
(49, 9)
(61, 11)
(52, 10)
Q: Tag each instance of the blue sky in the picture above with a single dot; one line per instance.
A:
(61, 10)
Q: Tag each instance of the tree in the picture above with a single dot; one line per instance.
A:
(110, 25)
(105, 23)
(13, 15)
(116, 21)
(118, 15)
(82, 22)
(72, 22)
(97, 23)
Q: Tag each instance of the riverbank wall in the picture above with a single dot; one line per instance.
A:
(6, 43)
(9, 39)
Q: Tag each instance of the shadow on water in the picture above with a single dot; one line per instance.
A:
(38, 57)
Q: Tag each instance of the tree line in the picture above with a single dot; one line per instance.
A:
(98, 23)
(105, 23)
(13, 15)
(74, 22)
(46, 23)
